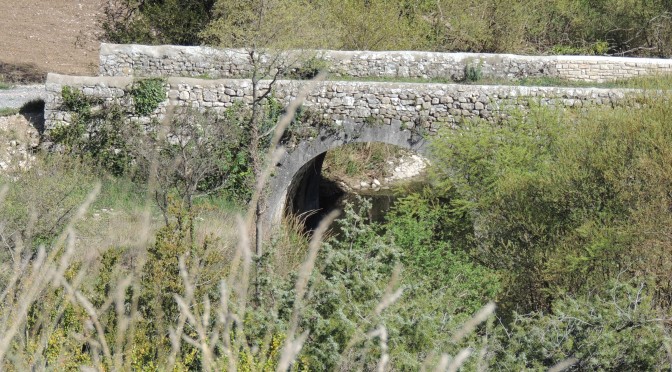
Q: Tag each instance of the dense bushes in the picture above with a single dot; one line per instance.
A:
(148, 304)
(623, 27)
(561, 204)
(156, 21)
(614, 328)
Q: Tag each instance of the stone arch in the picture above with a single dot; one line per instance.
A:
(297, 173)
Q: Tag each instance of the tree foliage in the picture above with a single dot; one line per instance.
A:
(260, 24)
(614, 328)
(623, 27)
(156, 21)
(562, 203)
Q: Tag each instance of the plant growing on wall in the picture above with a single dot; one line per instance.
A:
(147, 95)
(99, 134)
(472, 73)
(308, 69)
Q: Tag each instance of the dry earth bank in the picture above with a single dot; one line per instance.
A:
(51, 35)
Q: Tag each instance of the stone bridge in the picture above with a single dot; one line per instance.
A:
(397, 113)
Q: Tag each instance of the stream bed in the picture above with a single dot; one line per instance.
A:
(334, 197)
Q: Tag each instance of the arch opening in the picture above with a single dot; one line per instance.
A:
(298, 172)
(332, 178)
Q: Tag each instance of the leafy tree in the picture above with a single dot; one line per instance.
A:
(202, 153)
(376, 24)
(261, 24)
(561, 203)
(264, 28)
(156, 21)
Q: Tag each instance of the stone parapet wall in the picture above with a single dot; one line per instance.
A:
(106, 90)
(166, 60)
(409, 105)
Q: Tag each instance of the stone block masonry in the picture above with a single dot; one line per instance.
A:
(165, 61)
(417, 106)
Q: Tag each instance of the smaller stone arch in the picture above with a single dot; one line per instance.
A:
(298, 172)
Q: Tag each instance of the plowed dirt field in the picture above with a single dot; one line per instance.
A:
(41, 36)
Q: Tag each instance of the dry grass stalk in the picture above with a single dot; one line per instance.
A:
(481, 316)
(390, 296)
(381, 333)
(200, 323)
(275, 153)
(388, 299)
(459, 359)
(292, 347)
(26, 287)
(564, 365)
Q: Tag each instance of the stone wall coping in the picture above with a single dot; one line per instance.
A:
(54, 81)
(173, 50)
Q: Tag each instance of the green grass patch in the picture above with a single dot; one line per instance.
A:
(663, 82)
(218, 202)
(120, 193)
(644, 82)
(360, 160)
(8, 111)
(4, 85)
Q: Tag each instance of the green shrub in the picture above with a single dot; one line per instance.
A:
(156, 21)
(615, 328)
(204, 153)
(104, 138)
(308, 69)
(353, 271)
(559, 202)
(147, 95)
(74, 100)
(472, 73)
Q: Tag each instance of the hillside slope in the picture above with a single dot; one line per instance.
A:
(50, 35)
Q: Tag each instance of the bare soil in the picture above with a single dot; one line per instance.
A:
(41, 36)
(18, 139)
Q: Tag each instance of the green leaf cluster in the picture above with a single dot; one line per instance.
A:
(147, 95)
(614, 328)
